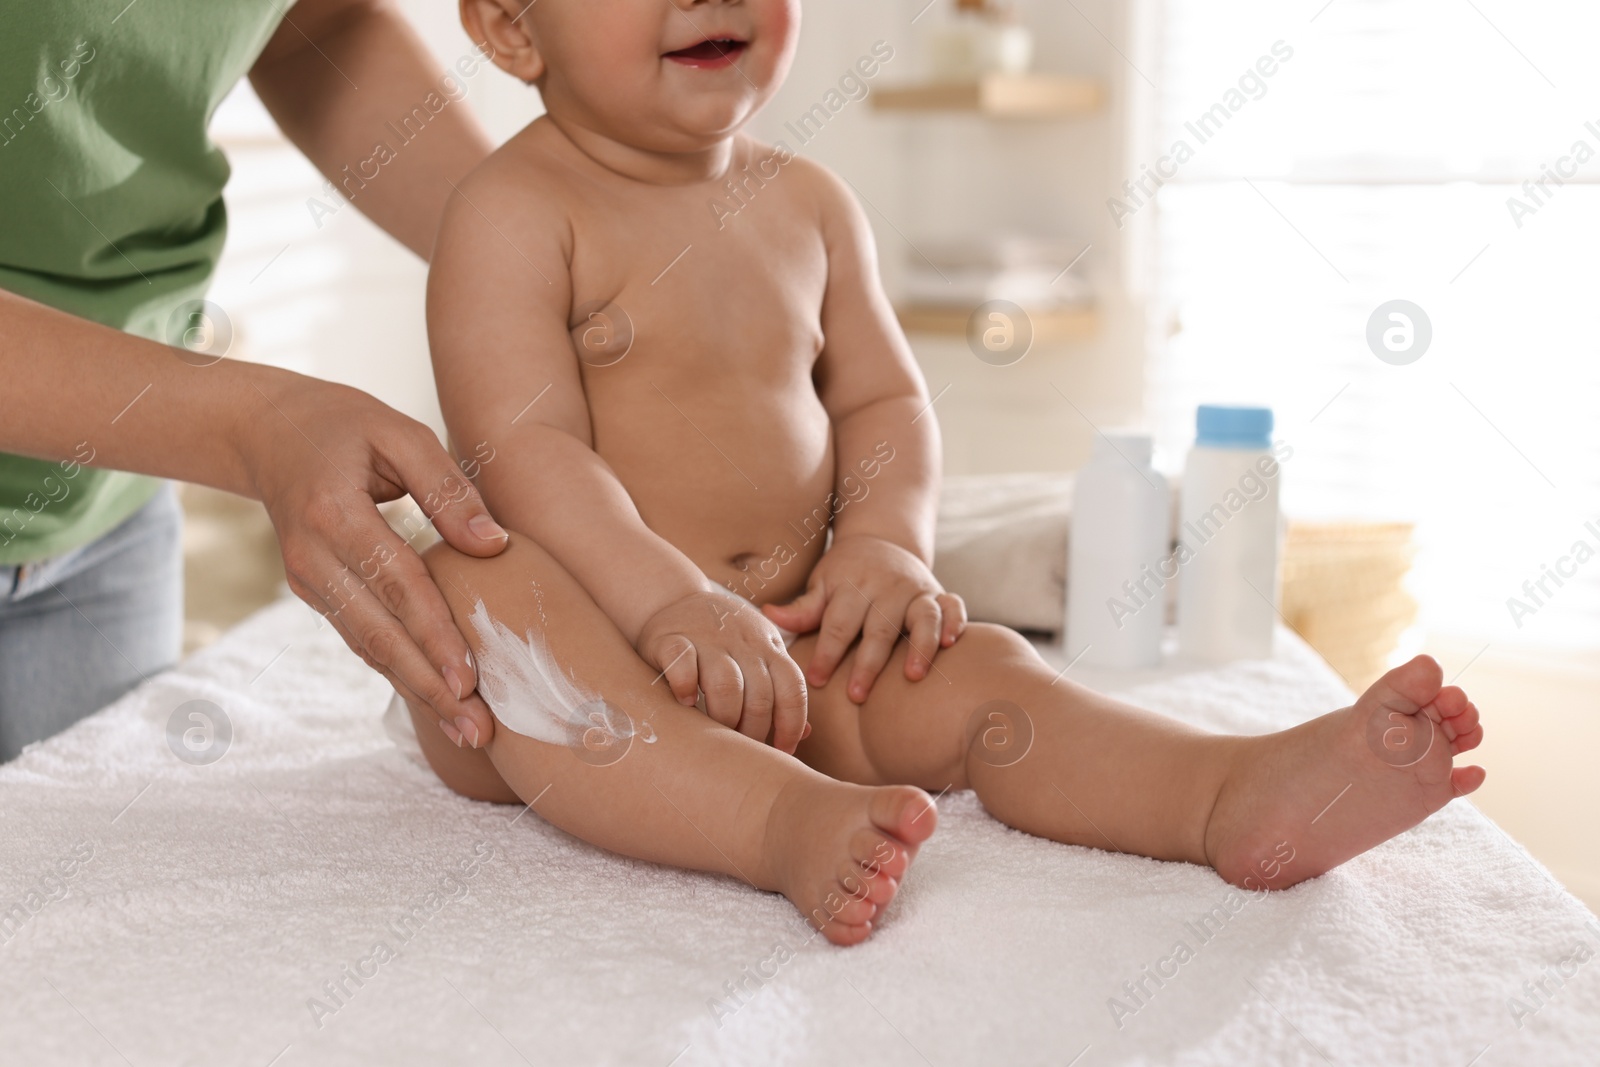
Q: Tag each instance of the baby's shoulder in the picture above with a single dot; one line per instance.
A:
(778, 159)
(520, 186)
(805, 182)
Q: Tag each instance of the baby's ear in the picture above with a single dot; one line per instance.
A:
(503, 32)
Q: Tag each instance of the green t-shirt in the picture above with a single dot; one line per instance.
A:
(110, 203)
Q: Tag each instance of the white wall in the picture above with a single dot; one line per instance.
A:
(943, 176)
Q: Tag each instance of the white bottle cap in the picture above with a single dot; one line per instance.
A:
(1136, 448)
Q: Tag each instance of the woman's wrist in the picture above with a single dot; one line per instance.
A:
(248, 395)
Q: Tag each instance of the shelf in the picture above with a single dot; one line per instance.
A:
(1062, 324)
(1003, 96)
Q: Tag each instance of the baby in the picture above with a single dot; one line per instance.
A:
(715, 640)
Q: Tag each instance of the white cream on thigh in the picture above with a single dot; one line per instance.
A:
(531, 695)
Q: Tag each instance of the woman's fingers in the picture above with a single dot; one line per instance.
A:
(404, 622)
(463, 729)
(446, 496)
(396, 576)
(323, 502)
(388, 644)
(449, 499)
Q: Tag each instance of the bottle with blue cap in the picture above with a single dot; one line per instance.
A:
(1229, 531)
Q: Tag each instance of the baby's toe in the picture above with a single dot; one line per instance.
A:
(904, 813)
(1464, 780)
(1450, 702)
(850, 906)
(866, 884)
(1459, 719)
(846, 934)
(878, 854)
(1466, 742)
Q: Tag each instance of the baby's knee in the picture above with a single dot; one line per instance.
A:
(920, 732)
(503, 580)
(984, 646)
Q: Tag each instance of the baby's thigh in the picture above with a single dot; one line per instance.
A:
(467, 771)
(530, 596)
(913, 732)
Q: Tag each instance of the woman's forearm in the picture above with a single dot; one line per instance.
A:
(358, 92)
(74, 387)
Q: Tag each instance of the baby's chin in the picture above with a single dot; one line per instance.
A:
(687, 126)
(709, 126)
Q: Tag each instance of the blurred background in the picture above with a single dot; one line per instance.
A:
(1193, 201)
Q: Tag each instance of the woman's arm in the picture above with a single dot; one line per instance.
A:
(334, 76)
(317, 455)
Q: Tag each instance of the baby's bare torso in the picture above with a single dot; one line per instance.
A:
(711, 419)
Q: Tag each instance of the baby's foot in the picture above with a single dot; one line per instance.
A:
(839, 852)
(1302, 802)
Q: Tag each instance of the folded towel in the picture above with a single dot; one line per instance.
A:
(315, 896)
(1001, 544)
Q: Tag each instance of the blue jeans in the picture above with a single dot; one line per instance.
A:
(80, 629)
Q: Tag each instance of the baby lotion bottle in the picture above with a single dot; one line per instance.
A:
(1121, 523)
(1228, 535)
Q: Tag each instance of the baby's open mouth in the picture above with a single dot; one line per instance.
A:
(716, 52)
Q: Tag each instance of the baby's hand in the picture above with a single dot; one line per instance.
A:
(719, 645)
(868, 586)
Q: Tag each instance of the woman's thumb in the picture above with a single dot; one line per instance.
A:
(450, 500)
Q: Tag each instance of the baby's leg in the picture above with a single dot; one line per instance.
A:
(1050, 757)
(682, 789)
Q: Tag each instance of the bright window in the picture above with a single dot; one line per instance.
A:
(1375, 162)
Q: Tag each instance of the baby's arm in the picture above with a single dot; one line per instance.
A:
(499, 296)
(877, 577)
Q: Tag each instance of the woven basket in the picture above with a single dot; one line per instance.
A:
(1343, 592)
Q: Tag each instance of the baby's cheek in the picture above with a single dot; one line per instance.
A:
(603, 39)
(778, 21)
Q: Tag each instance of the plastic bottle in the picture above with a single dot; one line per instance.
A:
(1228, 535)
(1121, 525)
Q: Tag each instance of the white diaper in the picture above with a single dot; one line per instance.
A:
(402, 731)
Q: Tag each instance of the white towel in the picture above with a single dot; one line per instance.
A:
(218, 902)
(1001, 545)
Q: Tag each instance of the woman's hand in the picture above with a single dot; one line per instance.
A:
(868, 587)
(321, 457)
